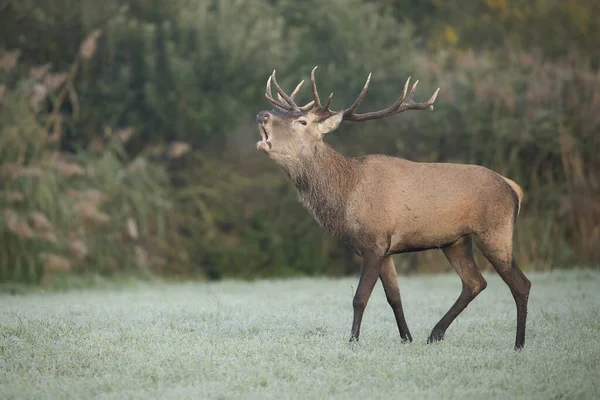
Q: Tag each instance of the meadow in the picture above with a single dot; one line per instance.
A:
(274, 339)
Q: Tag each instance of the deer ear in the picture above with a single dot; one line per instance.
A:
(331, 123)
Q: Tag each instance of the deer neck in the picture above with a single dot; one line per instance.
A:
(324, 181)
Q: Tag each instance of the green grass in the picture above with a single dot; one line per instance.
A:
(288, 339)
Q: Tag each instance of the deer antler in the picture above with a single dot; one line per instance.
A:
(403, 103)
(285, 102)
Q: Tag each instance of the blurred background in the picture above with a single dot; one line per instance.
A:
(127, 133)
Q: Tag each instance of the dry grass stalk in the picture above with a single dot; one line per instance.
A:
(16, 224)
(137, 164)
(177, 149)
(56, 80)
(86, 51)
(132, 229)
(88, 210)
(49, 237)
(88, 47)
(10, 59)
(53, 262)
(95, 197)
(38, 72)
(124, 134)
(40, 221)
(16, 171)
(72, 193)
(79, 249)
(51, 157)
(39, 95)
(68, 169)
(14, 196)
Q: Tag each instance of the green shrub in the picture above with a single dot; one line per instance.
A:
(84, 212)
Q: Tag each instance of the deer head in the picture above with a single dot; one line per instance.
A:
(290, 132)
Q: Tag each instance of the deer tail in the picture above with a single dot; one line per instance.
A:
(518, 191)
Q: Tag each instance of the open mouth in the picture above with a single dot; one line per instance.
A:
(264, 144)
(264, 134)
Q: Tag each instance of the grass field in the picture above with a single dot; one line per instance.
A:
(288, 339)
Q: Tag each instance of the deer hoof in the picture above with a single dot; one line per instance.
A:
(519, 347)
(435, 336)
(406, 338)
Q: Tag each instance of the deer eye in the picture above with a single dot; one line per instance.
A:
(302, 121)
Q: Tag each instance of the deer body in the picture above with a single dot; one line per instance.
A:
(382, 205)
(416, 211)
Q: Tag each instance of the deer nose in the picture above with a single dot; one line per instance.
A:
(262, 117)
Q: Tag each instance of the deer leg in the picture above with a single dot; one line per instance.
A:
(499, 253)
(460, 255)
(371, 266)
(389, 279)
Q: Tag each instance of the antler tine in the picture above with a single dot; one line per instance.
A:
(412, 91)
(314, 88)
(410, 104)
(307, 106)
(432, 99)
(297, 89)
(287, 98)
(281, 99)
(403, 103)
(405, 89)
(269, 96)
(360, 97)
(328, 101)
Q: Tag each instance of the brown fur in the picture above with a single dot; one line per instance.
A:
(518, 191)
(385, 205)
(323, 183)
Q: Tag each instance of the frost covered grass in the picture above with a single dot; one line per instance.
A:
(288, 339)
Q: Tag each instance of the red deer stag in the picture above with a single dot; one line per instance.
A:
(383, 205)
